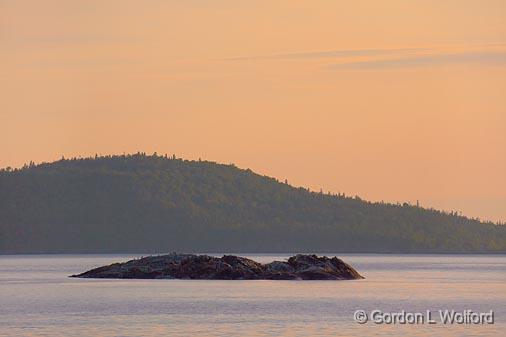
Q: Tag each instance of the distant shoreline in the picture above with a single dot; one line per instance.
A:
(138, 203)
(252, 253)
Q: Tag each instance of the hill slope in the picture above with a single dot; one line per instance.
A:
(140, 203)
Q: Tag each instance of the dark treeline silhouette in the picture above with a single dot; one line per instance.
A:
(152, 203)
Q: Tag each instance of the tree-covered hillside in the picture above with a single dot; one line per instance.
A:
(140, 203)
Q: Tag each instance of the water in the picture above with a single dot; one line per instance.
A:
(38, 299)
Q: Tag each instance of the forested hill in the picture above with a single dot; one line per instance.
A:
(139, 203)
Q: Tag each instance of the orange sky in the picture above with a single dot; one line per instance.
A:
(393, 100)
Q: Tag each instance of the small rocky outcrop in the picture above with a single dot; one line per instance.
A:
(228, 267)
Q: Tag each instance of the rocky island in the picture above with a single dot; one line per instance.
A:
(228, 267)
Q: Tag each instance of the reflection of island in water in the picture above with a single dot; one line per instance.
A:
(228, 267)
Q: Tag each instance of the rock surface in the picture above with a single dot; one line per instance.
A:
(228, 267)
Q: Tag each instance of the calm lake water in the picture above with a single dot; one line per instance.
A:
(38, 299)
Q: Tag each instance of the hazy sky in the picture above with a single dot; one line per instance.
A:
(390, 100)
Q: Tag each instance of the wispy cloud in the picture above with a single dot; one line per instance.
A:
(389, 58)
(329, 54)
(58, 41)
(490, 58)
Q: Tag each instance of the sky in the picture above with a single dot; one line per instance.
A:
(390, 100)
